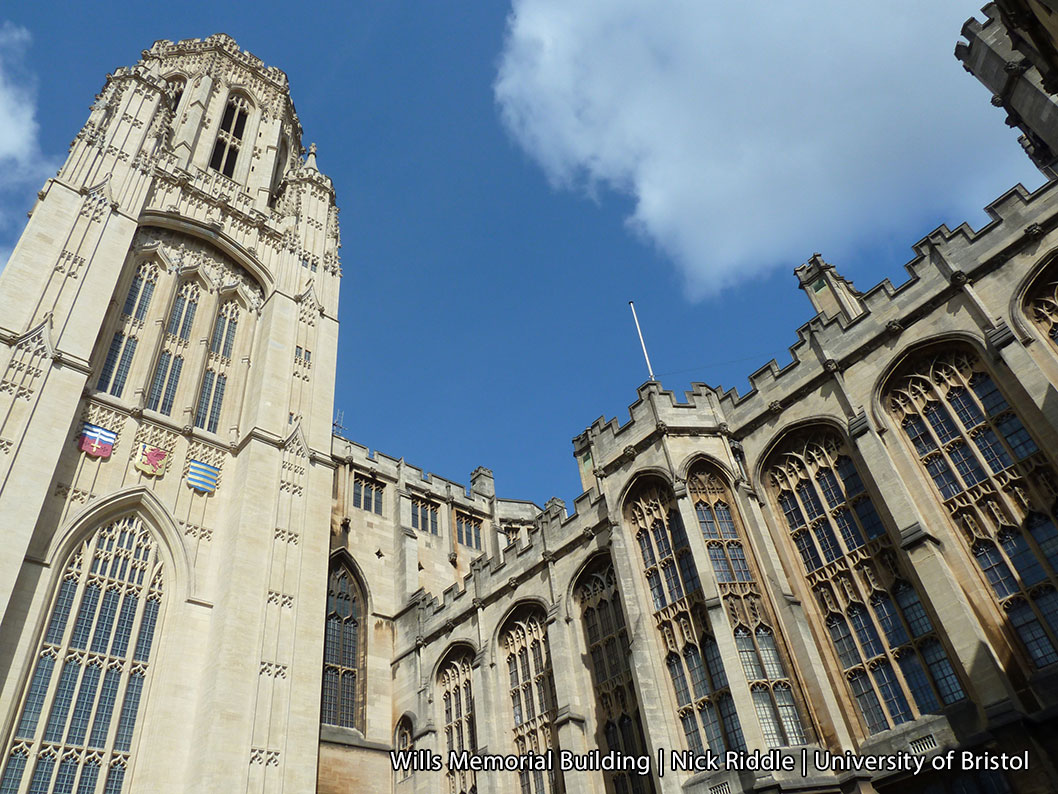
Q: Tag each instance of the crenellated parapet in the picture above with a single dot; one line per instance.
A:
(219, 58)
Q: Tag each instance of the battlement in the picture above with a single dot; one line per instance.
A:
(223, 43)
(944, 260)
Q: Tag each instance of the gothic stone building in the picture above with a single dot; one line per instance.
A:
(203, 590)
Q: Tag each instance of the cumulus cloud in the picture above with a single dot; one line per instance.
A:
(751, 134)
(23, 168)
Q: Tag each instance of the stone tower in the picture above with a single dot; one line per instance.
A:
(168, 341)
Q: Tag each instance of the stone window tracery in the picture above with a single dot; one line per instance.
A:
(117, 364)
(703, 698)
(230, 135)
(78, 714)
(162, 393)
(405, 743)
(182, 315)
(1042, 306)
(222, 341)
(759, 651)
(995, 483)
(531, 686)
(617, 712)
(210, 400)
(882, 635)
(140, 291)
(424, 516)
(468, 531)
(343, 650)
(177, 84)
(457, 687)
(367, 494)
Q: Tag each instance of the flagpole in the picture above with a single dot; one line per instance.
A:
(639, 330)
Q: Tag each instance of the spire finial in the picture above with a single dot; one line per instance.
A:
(310, 161)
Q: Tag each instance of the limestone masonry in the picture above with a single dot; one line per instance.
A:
(844, 580)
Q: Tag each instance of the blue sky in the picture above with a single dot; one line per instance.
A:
(510, 175)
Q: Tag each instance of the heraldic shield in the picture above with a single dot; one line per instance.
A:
(151, 460)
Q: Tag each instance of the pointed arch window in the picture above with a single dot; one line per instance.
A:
(531, 686)
(343, 651)
(79, 711)
(177, 85)
(183, 312)
(210, 400)
(140, 291)
(222, 342)
(699, 683)
(878, 627)
(404, 742)
(1041, 304)
(163, 385)
(117, 364)
(755, 640)
(230, 136)
(993, 480)
(457, 687)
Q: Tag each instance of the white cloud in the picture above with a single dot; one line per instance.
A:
(23, 168)
(751, 134)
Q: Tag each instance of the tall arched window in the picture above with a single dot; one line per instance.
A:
(894, 663)
(230, 134)
(404, 741)
(617, 715)
(343, 651)
(222, 342)
(460, 732)
(118, 360)
(177, 84)
(995, 483)
(78, 712)
(703, 697)
(531, 685)
(140, 291)
(182, 316)
(1041, 304)
(759, 651)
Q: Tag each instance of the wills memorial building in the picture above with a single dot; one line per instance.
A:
(203, 589)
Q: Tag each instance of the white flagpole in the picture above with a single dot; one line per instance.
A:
(641, 342)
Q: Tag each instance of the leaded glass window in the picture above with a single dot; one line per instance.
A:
(117, 364)
(468, 531)
(455, 681)
(367, 494)
(82, 703)
(138, 298)
(182, 315)
(756, 642)
(993, 480)
(694, 666)
(404, 743)
(424, 516)
(344, 650)
(617, 716)
(230, 136)
(531, 683)
(210, 400)
(875, 619)
(222, 342)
